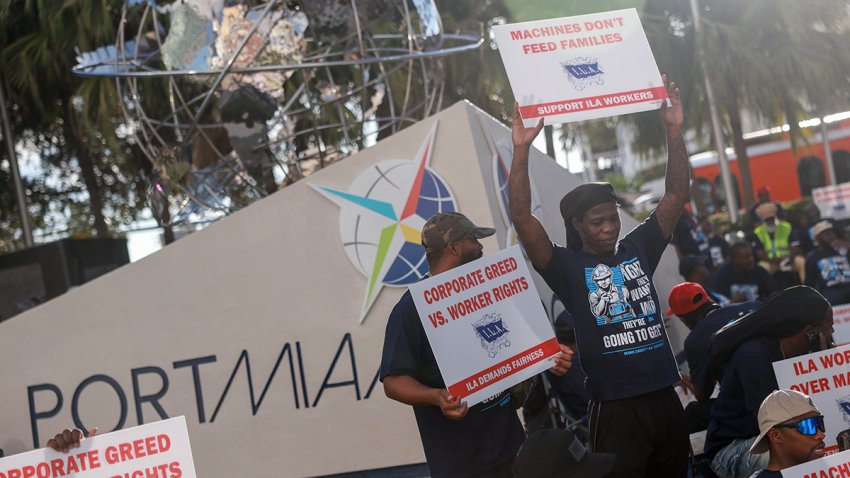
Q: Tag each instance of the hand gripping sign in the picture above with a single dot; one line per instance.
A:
(486, 325)
(580, 68)
(824, 376)
(156, 450)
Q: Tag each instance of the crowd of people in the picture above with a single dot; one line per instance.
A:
(760, 299)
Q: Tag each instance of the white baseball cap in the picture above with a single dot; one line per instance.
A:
(780, 406)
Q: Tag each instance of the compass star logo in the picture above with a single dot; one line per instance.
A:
(381, 218)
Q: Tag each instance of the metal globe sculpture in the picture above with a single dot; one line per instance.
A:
(231, 100)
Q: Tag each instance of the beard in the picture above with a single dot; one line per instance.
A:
(470, 256)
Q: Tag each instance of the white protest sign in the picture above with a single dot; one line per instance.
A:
(841, 321)
(155, 450)
(824, 376)
(486, 325)
(832, 466)
(833, 201)
(580, 68)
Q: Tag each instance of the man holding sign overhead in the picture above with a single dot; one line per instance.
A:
(606, 284)
(459, 441)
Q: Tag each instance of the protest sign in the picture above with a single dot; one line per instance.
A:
(156, 450)
(833, 201)
(841, 321)
(580, 68)
(824, 376)
(832, 466)
(486, 325)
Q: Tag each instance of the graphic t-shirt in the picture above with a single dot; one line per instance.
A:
(755, 284)
(619, 327)
(828, 271)
(489, 434)
(719, 250)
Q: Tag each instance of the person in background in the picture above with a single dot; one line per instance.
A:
(791, 428)
(777, 247)
(741, 280)
(800, 322)
(703, 317)
(693, 269)
(568, 389)
(718, 247)
(689, 239)
(810, 217)
(827, 268)
(763, 195)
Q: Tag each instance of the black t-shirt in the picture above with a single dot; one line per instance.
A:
(755, 283)
(747, 380)
(619, 327)
(690, 238)
(489, 434)
(699, 340)
(828, 271)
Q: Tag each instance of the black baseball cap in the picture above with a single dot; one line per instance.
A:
(557, 453)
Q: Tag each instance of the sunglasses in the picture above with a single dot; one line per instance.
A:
(807, 426)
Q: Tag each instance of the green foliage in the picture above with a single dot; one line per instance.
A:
(527, 10)
(795, 211)
(476, 76)
(89, 183)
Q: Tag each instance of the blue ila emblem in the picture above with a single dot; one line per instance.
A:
(583, 72)
(844, 406)
(492, 332)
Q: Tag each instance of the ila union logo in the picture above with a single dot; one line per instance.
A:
(492, 332)
(583, 72)
(381, 218)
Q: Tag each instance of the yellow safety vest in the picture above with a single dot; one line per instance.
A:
(778, 246)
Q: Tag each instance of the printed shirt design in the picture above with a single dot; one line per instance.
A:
(834, 270)
(750, 291)
(700, 238)
(620, 299)
(716, 253)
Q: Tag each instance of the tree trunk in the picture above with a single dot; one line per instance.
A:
(548, 131)
(746, 179)
(89, 178)
(167, 235)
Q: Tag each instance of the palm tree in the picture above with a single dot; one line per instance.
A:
(776, 59)
(38, 41)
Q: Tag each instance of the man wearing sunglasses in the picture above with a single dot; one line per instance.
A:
(795, 322)
(791, 428)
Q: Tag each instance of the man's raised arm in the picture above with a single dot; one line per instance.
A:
(531, 233)
(677, 181)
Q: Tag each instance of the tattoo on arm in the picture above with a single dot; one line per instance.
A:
(531, 233)
(676, 185)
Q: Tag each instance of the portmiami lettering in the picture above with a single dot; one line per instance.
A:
(341, 373)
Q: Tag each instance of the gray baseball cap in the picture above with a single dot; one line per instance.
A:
(447, 227)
